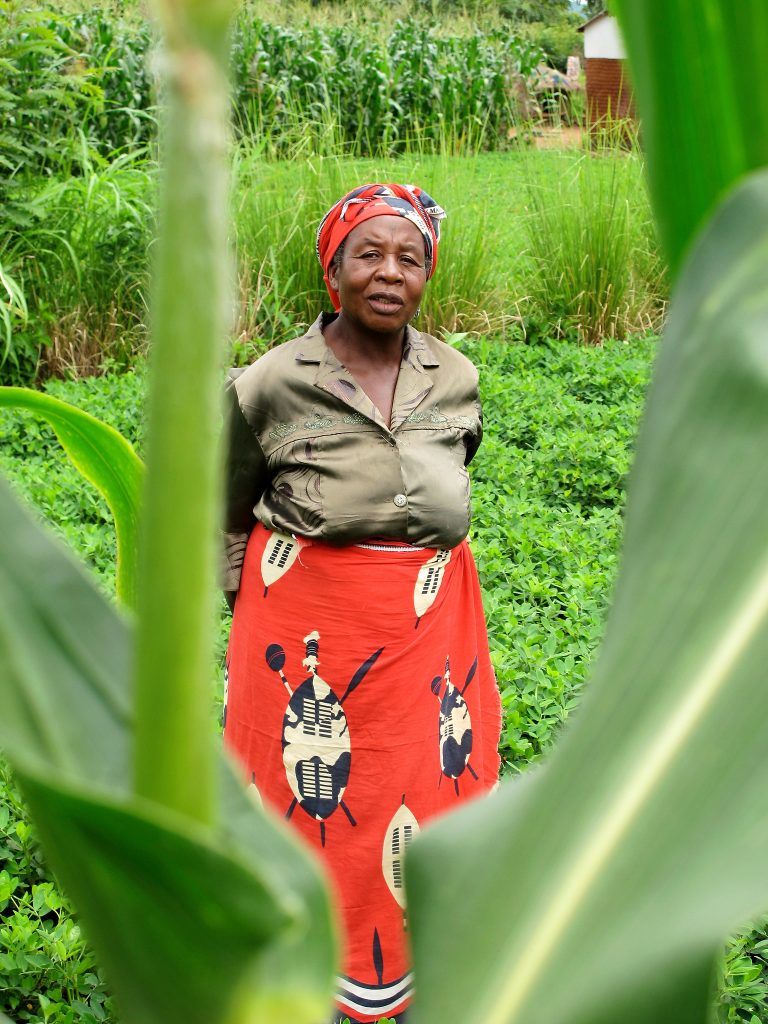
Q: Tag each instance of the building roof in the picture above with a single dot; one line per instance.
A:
(592, 20)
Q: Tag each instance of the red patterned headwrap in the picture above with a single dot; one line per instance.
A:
(377, 201)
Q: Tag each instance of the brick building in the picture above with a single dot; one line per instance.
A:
(609, 93)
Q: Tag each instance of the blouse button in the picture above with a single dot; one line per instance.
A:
(400, 500)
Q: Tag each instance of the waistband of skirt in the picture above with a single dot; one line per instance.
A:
(393, 546)
(372, 546)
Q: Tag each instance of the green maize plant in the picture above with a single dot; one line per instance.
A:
(414, 88)
(598, 888)
(85, 79)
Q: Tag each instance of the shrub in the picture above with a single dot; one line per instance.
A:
(558, 39)
(81, 264)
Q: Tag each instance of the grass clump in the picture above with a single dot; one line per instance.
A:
(595, 267)
(80, 264)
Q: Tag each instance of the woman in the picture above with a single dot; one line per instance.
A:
(361, 698)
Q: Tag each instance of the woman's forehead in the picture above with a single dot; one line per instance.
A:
(398, 231)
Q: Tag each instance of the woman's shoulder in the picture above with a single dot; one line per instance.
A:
(277, 366)
(441, 359)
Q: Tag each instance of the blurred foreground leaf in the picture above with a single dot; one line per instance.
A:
(192, 924)
(697, 73)
(164, 884)
(598, 889)
(104, 458)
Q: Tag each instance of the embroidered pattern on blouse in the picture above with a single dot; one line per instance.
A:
(317, 421)
(282, 430)
(435, 417)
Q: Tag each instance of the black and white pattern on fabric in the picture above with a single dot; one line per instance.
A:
(226, 694)
(428, 582)
(401, 831)
(363, 999)
(279, 555)
(455, 730)
(317, 749)
(379, 999)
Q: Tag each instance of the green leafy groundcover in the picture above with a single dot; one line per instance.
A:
(548, 495)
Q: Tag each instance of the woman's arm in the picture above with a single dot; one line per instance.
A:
(246, 478)
(473, 439)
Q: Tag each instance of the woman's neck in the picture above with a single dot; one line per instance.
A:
(354, 346)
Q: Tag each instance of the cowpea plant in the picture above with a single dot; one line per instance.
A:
(595, 889)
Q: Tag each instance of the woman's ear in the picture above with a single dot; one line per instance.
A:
(333, 276)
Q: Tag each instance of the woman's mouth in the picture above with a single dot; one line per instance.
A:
(384, 302)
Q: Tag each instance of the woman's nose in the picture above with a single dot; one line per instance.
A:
(389, 268)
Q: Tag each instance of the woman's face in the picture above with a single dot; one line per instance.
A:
(382, 274)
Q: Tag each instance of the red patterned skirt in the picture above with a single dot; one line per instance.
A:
(362, 702)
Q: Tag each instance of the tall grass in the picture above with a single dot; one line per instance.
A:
(595, 269)
(81, 266)
(534, 244)
(13, 310)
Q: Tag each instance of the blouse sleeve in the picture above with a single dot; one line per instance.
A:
(246, 479)
(474, 439)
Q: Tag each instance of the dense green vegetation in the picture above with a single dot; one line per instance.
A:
(77, 131)
(548, 496)
(546, 248)
(89, 78)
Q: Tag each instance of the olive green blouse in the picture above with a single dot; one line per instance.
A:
(310, 454)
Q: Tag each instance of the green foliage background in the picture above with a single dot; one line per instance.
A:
(77, 180)
(548, 483)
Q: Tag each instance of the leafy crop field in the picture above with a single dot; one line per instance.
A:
(548, 484)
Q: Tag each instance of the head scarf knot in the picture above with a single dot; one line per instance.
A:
(377, 201)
